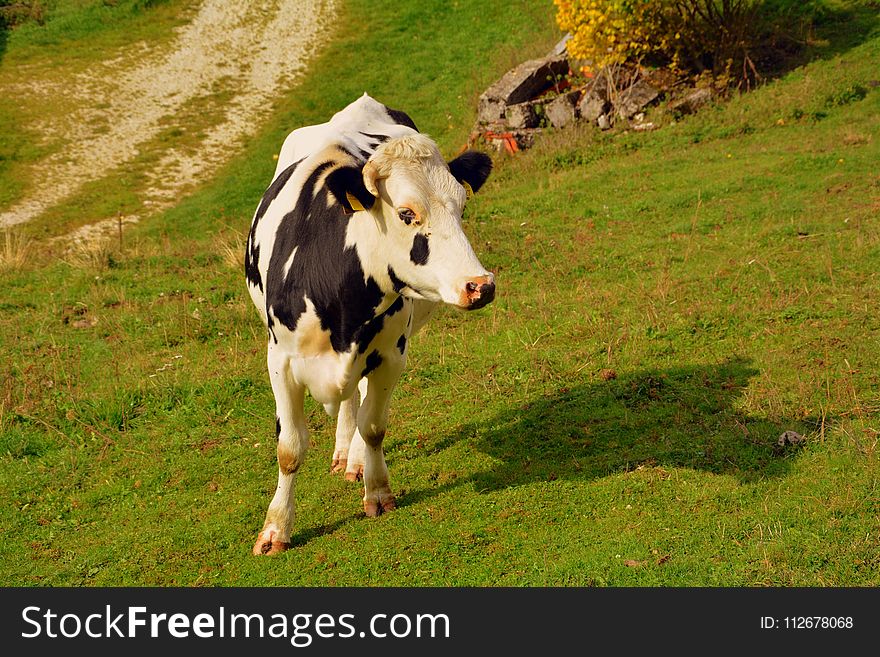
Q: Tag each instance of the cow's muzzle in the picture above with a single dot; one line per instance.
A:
(478, 292)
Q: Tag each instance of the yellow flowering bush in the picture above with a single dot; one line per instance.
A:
(696, 35)
(609, 32)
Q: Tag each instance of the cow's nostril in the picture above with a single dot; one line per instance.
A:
(479, 294)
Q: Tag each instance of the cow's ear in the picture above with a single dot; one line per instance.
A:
(471, 169)
(347, 185)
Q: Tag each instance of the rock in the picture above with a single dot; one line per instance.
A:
(561, 110)
(521, 115)
(520, 85)
(592, 106)
(561, 48)
(603, 122)
(601, 85)
(790, 438)
(692, 101)
(635, 97)
(490, 110)
(596, 100)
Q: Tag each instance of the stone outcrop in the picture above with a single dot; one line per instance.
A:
(520, 85)
(692, 101)
(540, 94)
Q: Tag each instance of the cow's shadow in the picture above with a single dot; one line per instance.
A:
(683, 417)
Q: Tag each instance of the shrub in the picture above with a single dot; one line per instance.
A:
(14, 12)
(719, 36)
(607, 32)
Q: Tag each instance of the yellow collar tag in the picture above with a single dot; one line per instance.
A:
(356, 205)
(468, 189)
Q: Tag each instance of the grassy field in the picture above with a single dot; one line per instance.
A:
(669, 304)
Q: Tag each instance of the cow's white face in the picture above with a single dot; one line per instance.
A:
(418, 209)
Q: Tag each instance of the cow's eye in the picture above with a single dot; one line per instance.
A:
(406, 215)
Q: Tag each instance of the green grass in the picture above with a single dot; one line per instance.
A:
(76, 29)
(669, 303)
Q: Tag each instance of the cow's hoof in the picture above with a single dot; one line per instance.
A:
(338, 465)
(356, 473)
(267, 544)
(375, 508)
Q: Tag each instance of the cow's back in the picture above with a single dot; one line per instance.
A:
(348, 128)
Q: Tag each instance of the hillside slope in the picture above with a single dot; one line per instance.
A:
(669, 303)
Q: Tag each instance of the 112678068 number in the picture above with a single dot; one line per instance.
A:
(817, 622)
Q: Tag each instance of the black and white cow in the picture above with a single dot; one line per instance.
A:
(353, 244)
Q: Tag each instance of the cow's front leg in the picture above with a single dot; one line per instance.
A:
(293, 441)
(372, 422)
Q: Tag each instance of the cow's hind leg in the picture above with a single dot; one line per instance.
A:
(293, 441)
(348, 452)
(354, 471)
(372, 422)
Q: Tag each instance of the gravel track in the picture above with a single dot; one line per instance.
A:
(255, 48)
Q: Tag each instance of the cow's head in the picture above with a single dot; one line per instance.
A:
(409, 234)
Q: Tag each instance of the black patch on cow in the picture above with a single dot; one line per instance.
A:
(274, 189)
(364, 336)
(399, 284)
(361, 156)
(349, 180)
(277, 427)
(471, 167)
(420, 250)
(373, 361)
(395, 307)
(368, 331)
(252, 260)
(401, 118)
(396, 282)
(401, 344)
(325, 270)
(252, 251)
(379, 139)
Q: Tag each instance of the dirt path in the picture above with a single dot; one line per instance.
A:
(255, 48)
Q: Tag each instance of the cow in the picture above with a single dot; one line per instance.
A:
(356, 240)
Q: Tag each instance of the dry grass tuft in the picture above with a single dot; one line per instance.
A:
(15, 251)
(229, 245)
(91, 255)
